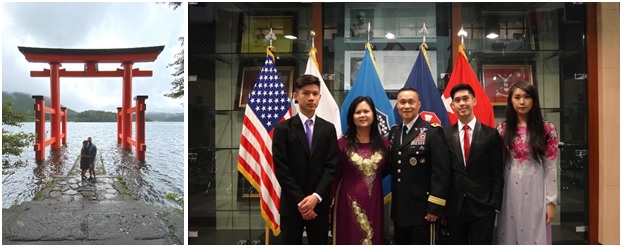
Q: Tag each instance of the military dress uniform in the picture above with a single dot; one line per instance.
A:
(420, 169)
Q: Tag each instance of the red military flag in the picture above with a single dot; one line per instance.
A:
(462, 73)
(268, 104)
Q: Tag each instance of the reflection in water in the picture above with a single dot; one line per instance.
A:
(53, 164)
(134, 172)
(25, 184)
(150, 181)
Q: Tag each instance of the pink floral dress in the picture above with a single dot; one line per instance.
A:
(529, 187)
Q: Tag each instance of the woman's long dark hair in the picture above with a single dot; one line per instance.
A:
(377, 143)
(535, 122)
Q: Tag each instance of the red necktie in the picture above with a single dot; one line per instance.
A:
(466, 143)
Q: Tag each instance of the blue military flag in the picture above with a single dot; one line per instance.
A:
(420, 79)
(367, 83)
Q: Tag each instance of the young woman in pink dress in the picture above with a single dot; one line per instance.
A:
(531, 149)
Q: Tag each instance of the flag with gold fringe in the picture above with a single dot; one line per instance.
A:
(367, 83)
(268, 104)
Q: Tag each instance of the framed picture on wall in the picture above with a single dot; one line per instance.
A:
(256, 28)
(245, 189)
(400, 20)
(393, 66)
(498, 79)
(356, 22)
(250, 75)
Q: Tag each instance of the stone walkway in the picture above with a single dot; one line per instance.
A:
(69, 211)
(73, 188)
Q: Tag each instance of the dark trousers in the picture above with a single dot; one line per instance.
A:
(469, 229)
(316, 229)
(420, 234)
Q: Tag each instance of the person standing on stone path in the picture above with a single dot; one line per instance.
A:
(85, 160)
(92, 152)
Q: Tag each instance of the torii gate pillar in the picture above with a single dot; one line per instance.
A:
(55, 98)
(126, 104)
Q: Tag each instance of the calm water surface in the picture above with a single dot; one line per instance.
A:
(161, 173)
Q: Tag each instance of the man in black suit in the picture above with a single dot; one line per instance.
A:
(477, 173)
(419, 164)
(305, 154)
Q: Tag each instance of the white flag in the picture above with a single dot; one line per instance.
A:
(327, 108)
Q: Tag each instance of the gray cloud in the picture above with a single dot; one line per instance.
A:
(92, 25)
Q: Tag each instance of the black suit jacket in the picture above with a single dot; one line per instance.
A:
(480, 181)
(299, 170)
(420, 169)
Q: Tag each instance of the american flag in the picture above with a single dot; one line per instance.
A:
(268, 104)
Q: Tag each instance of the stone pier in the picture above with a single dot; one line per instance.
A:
(69, 210)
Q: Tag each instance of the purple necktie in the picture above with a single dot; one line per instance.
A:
(308, 125)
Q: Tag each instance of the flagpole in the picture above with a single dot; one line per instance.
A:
(368, 34)
(462, 33)
(423, 46)
(424, 32)
(313, 51)
(270, 36)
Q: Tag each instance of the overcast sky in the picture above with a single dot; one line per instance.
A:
(92, 25)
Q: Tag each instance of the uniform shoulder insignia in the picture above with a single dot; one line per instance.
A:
(435, 125)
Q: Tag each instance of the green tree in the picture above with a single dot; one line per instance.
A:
(177, 85)
(13, 143)
(96, 116)
(175, 5)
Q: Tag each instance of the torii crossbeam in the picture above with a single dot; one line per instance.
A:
(91, 58)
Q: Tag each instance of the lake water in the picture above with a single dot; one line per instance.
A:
(150, 181)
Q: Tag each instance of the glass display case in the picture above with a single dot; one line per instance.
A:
(543, 43)
(226, 49)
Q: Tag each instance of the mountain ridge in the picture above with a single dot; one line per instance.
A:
(23, 103)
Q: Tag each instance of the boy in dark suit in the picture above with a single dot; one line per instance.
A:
(305, 154)
(419, 164)
(476, 173)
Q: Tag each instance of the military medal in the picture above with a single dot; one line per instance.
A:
(422, 160)
(420, 139)
(413, 161)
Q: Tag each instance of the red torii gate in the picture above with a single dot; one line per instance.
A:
(91, 58)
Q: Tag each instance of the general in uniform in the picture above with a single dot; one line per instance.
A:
(420, 169)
